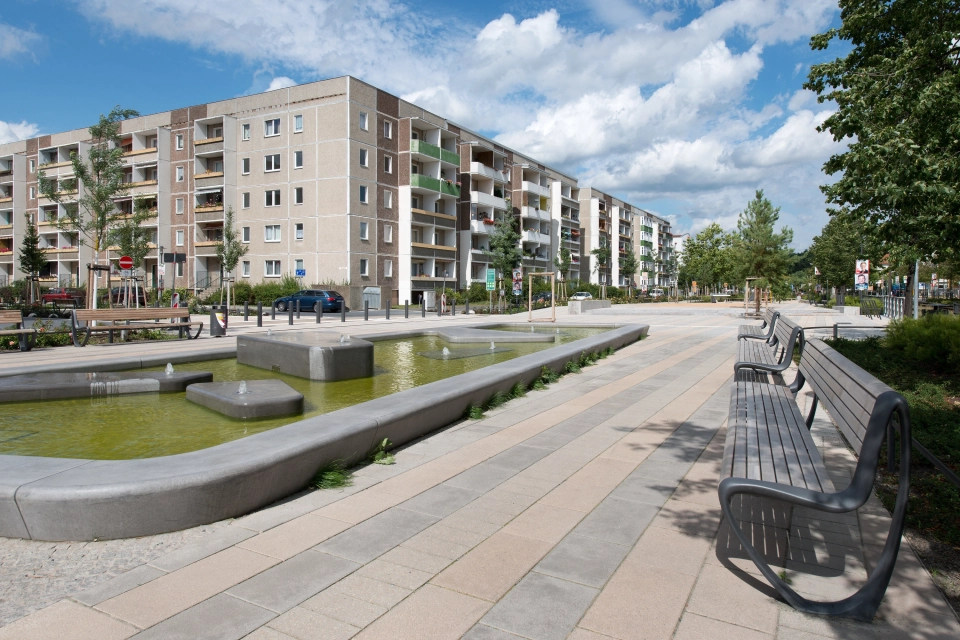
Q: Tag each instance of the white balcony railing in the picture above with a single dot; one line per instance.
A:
(535, 188)
(485, 198)
(481, 169)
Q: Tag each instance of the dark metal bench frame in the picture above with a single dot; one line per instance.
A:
(887, 403)
(767, 322)
(783, 352)
(26, 337)
(142, 323)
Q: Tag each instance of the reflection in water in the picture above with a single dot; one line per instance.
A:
(151, 424)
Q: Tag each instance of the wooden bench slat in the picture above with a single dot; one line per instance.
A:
(781, 469)
(740, 450)
(852, 424)
(753, 452)
(767, 470)
(794, 474)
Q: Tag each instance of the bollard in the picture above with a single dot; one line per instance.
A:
(453, 309)
(246, 311)
(423, 309)
(467, 310)
(343, 311)
(289, 314)
(273, 310)
(319, 311)
(835, 331)
(298, 309)
(406, 309)
(366, 310)
(259, 314)
(388, 311)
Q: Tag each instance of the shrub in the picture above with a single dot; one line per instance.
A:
(933, 340)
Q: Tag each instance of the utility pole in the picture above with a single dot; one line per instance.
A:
(916, 290)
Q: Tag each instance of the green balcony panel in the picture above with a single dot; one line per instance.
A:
(425, 148)
(424, 182)
(449, 156)
(449, 189)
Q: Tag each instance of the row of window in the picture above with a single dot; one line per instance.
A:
(271, 233)
(273, 269)
(271, 198)
(271, 127)
(271, 163)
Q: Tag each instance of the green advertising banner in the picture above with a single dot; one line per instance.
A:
(491, 279)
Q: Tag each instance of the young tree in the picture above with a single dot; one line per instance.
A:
(32, 258)
(562, 262)
(760, 251)
(628, 267)
(843, 240)
(602, 254)
(897, 97)
(132, 238)
(707, 257)
(505, 252)
(230, 249)
(101, 177)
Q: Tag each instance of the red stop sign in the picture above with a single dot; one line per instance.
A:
(126, 262)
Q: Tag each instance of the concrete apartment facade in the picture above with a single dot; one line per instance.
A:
(336, 180)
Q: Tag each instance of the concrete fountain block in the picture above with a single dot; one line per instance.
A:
(313, 355)
(55, 386)
(466, 335)
(264, 398)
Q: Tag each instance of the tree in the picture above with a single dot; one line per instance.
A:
(32, 258)
(760, 251)
(628, 267)
(843, 240)
(708, 258)
(897, 96)
(102, 179)
(602, 254)
(230, 249)
(505, 253)
(563, 262)
(132, 238)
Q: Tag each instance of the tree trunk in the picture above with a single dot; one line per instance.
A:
(908, 297)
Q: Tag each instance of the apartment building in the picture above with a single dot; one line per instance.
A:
(606, 222)
(653, 244)
(333, 182)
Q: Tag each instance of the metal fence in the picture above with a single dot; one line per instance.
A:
(893, 307)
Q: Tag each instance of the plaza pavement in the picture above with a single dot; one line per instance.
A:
(585, 511)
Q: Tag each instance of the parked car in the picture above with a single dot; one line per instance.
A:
(310, 299)
(656, 293)
(64, 295)
(581, 295)
(543, 296)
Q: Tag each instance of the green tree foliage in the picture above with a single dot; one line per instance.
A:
(759, 250)
(32, 258)
(230, 249)
(843, 240)
(505, 252)
(898, 105)
(708, 258)
(629, 265)
(129, 234)
(563, 262)
(602, 254)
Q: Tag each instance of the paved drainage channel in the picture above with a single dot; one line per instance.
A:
(76, 499)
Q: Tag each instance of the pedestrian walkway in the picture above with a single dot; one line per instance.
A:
(586, 511)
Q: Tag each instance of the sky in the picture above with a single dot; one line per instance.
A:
(681, 107)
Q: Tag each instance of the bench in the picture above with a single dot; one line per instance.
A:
(27, 337)
(763, 331)
(132, 319)
(757, 358)
(770, 456)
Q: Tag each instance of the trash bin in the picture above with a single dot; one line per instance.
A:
(371, 297)
(218, 321)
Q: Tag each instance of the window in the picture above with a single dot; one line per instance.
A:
(271, 198)
(271, 163)
(298, 265)
(180, 269)
(298, 159)
(388, 199)
(299, 231)
(388, 233)
(363, 194)
(245, 234)
(179, 205)
(298, 195)
(297, 124)
(33, 193)
(388, 268)
(179, 174)
(387, 164)
(152, 143)
(245, 269)
(387, 129)
(364, 231)
(218, 166)
(180, 238)
(363, 158)
(271, 233)
(415, 202)
(364, 269)
(218, 132)
(179, 142)
(245, 166)
(33, 166)
(245, 134)
(245, 200)
(363, 120)
(271, 268)
(271, 128)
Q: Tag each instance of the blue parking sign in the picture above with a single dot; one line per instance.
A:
(301, 273)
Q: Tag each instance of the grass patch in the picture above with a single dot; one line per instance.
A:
(518, 390)
(380, 455)
(332, 475)
(571, 367)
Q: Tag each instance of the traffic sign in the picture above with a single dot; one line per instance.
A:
(491, 279)
(301, 273)
(126, 262)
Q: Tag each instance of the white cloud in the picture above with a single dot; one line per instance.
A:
(16, 42)
(281, 82)
(651, 107)
(13, 131)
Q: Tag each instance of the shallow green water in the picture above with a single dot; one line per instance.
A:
(148, 425)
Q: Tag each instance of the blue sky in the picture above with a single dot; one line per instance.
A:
(683, 107)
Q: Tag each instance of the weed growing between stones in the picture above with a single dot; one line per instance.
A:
(332, 475)
(380, 455)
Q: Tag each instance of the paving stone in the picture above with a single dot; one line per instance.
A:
(338, 605)
(617, 521)
(431, 613)
(441, 500)
(394, 574)
(222, 617)
(481, 631)
(644, 489)
(293, 537)
(481, 478)
(722, 595)
(373, 591)
(305, 624)
(544, 522)
(67, 619)
(541, 607)
(121, 584)
(376, 536)
(293, 581)
(694, 627)
(214, 543)
(584, 560)
(519, 457)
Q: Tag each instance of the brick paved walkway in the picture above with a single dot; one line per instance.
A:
(585, 511)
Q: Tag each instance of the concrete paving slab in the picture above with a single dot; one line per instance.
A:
(376, 536)
(222, 617)
(292, 581)
(541, 607)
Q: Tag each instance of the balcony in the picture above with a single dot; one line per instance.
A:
(6, 199)
(6, 230)
(432, 247)
(480, 197)
(480, 169)
(534, 236)
(208, 179)
(534, 214)
(535, 188)
(432, 151)
(433, 184)
(139, 152)
(207, 248)
(484, 226)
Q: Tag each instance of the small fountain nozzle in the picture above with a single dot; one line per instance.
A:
(169, 369)
(242, 389)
